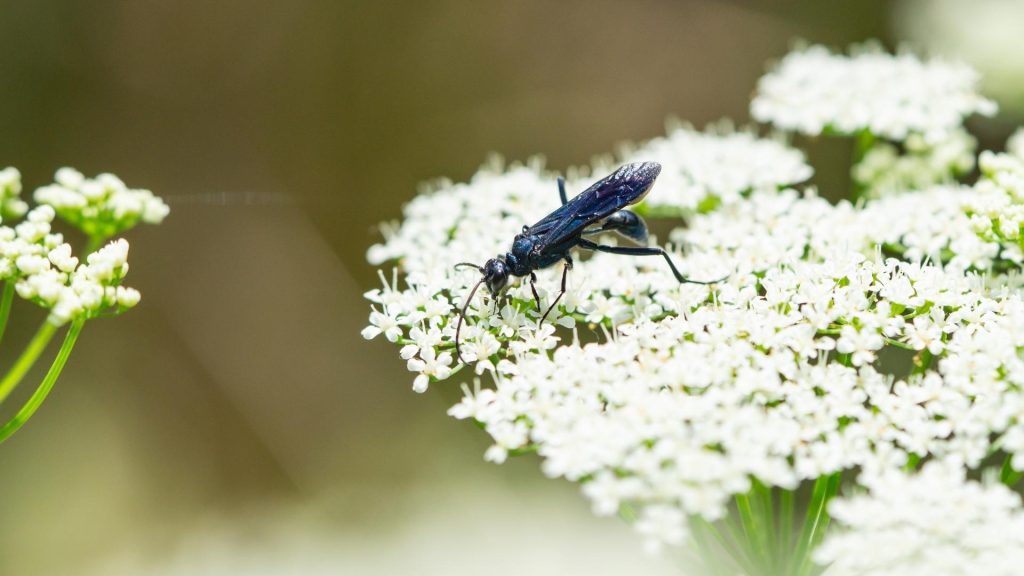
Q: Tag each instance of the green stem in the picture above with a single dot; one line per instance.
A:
(93, 244)
(769, 533)
(897, 343)
(816, 511)
(746, 515)
(52, 374)
(740, 551)
(816, 522)
(710, 557)
(826, 518)
(754, 532)
(1007, 475)
(861, 145)
(28, 357)
(922, 361)
(785, 525)
(5, 305)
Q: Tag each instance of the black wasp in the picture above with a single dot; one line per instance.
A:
(597, 209)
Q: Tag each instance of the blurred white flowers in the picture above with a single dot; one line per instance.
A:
(891, 96)
(894, 529)
(1015, 144)
(984, 33)
(669, 402)
(883, 169)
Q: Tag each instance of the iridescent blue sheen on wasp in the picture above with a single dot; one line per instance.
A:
(599, 208)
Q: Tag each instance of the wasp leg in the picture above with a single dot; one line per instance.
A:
(533, 287)
(565, 274)
(624, 222)
(651, 251)
(561, 191)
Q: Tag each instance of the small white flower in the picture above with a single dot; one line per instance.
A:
(128, 297)
(109, 262)
(32, 265)
(541, 338)
(69, 178)
(11, 204)
(61, 258)
(429, 365)
(382, 323)
(926, 333)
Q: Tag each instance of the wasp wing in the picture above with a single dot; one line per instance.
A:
(627, 185)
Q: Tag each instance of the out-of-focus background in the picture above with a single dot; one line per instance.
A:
(236, 422)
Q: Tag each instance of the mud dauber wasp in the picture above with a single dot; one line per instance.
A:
(599, 208)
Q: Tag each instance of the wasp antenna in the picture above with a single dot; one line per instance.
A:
(462, 316)
(470, 264)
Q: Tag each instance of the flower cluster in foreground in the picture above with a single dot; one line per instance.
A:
(39, 265)
(39, 262)
(872, 336)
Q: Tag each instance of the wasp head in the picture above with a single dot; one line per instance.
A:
(496, 272)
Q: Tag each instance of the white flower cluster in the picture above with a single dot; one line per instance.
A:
(103, 206)
(996, 208)
(12, 206)
(44, 271)
(975, 227)
(769, 228)
(885, 170)
(668, 398)
(934, 523)
(814, 90)
(681, 412)
(729, 383)
(703, 169)
(40, 264)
